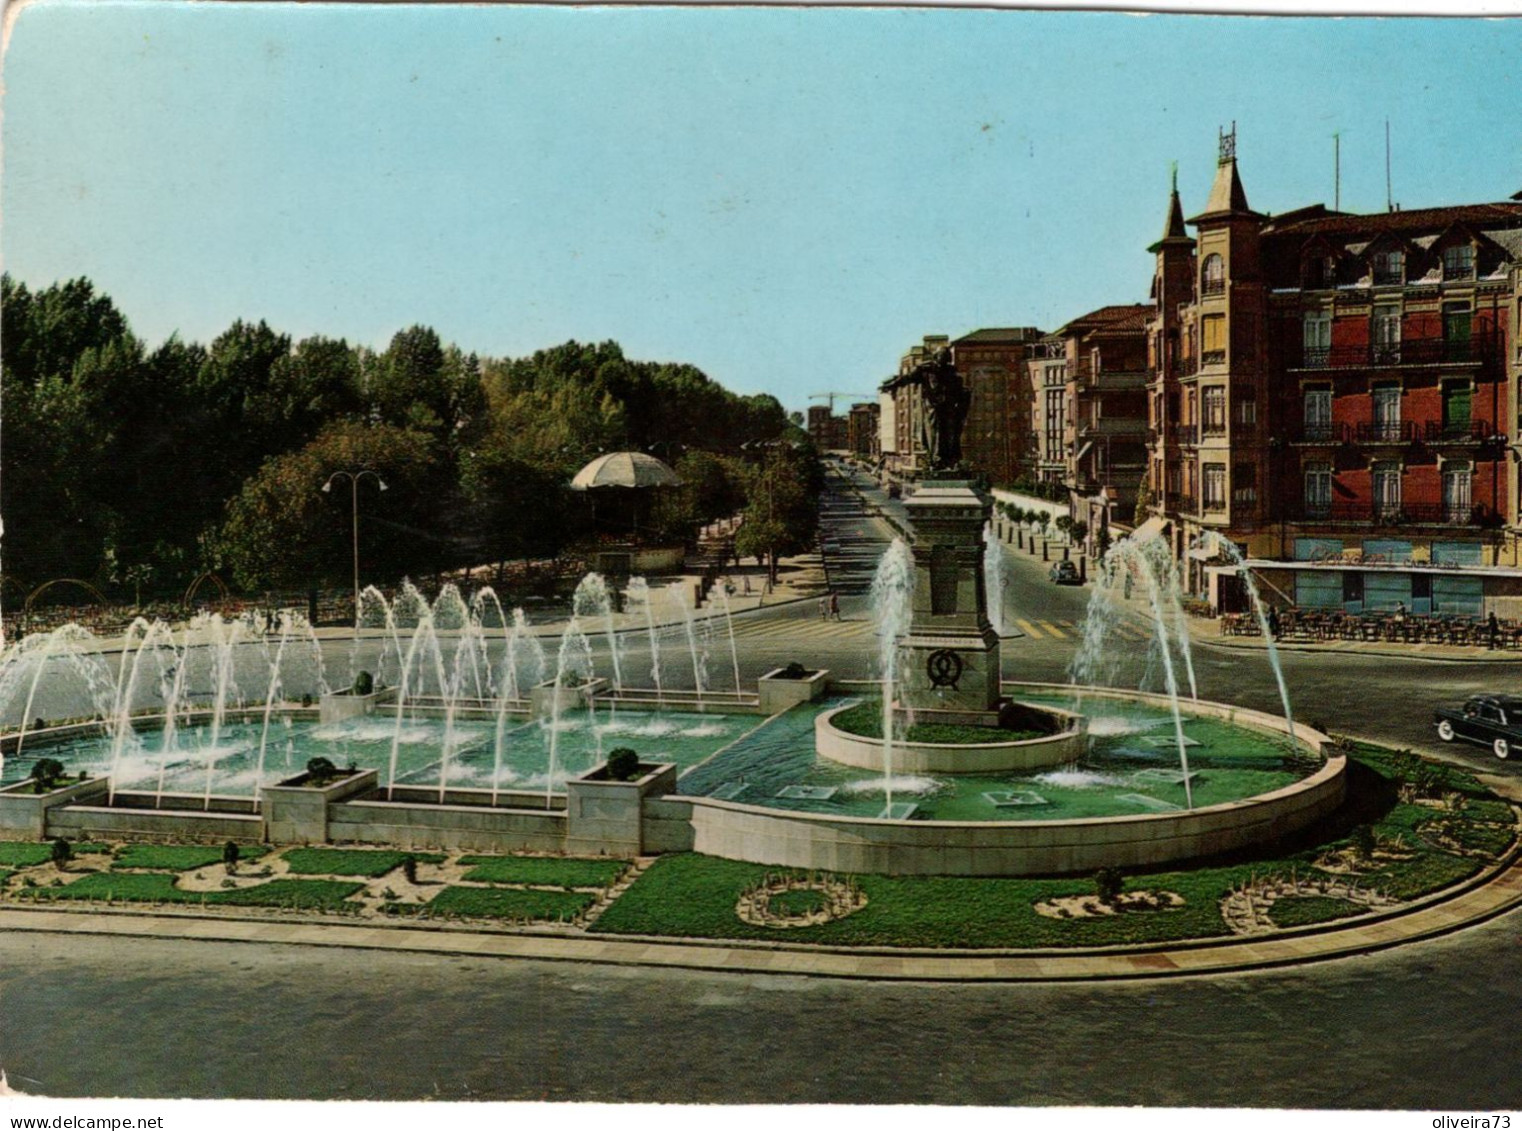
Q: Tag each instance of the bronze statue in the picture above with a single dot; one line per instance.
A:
(946, 400)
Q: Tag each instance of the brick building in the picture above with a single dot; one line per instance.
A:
(862, 430)
(993, 364)
(1087, 384)
(1336, 394)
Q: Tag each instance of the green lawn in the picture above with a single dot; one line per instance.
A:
(1302, 910)
(866, 719)
(366, 862)
(570, 872)
(179, 857)
(510, 903)
(19, 854)
(159, 887)
(798, 902)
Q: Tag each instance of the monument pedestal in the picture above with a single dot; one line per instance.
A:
(951, 655)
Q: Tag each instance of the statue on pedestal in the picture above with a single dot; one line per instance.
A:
(946, 400)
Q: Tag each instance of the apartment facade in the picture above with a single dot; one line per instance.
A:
(993, 363)
(1335, 395)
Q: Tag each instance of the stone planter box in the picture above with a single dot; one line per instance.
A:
(296, 812)
(545, 699)
(339, 705)
(24, 814)
(607, 816)
(779, 694)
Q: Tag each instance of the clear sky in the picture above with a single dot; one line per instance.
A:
(787, 198)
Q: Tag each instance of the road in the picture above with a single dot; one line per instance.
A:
(1424, 1026)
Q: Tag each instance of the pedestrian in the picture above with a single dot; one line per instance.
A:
(835, 606)
(1495, 629)
(824, 608)
(1273, 622)
(747, 585)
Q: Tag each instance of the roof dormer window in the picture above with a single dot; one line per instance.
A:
(1458, 261)
(1389, 268)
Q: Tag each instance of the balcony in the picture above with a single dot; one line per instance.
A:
(1386, 515)
(1418, 351)
(1319, 432)
(1462, 432)
(1213, 357)
(1213, 287)
(1187, 504)
(1188, 435)
(1386, 432)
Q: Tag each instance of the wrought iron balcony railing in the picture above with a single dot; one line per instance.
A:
(1412, 351)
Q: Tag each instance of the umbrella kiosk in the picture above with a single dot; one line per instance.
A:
(629, 478)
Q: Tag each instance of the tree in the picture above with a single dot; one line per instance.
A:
(282, 531)
(782, 510)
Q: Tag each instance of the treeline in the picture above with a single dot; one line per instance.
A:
(139, 469)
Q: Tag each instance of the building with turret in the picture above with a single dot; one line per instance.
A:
(1335, 394)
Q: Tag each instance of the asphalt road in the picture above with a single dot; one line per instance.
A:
(1425, 1026)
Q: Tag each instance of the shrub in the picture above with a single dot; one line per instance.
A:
(409, 869)
(230, 854)
(1362, 841)
(1108, 885)
(794, 670)
(623, 764)
(364, 684)
(321, 770)
(61, 853)
(45, 774)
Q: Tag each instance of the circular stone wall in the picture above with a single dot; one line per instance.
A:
(1027, 848)
(1050, 750)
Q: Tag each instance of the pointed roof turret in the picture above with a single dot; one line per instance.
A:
(1227, 197)
(1174, 233)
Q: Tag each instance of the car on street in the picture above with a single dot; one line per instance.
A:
(1065, 573)
(1490, 720)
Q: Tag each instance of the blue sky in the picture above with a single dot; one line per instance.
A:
(787, 198)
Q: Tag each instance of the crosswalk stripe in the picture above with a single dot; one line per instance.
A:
(1029, 629)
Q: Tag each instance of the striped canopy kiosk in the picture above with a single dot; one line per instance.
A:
(624, 471)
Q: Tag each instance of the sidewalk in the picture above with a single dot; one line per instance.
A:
(1478, 902)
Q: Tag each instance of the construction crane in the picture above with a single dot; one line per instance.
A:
(830, 397)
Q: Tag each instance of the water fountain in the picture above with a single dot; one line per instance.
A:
(993, 577)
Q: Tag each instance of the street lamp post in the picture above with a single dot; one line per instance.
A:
(354, 477)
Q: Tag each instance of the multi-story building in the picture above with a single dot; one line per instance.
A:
(1336, 395)
(1087, 382)
(862, 430)
(995, 436)
(906, 455)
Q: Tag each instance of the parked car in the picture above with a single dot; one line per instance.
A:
(1491, 720)
(1065, 573)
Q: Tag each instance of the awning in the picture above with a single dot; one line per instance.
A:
(1083, 451)
(1152, 528)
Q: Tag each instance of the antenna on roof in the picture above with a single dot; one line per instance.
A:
(1389, 196)
(1337, 170)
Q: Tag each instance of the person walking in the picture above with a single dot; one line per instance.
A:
(824, 607)
(835, 606)
(1495, 629)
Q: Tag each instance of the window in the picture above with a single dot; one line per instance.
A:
(1318, 490)
(1456, 330)
(1213, 404)
(1386, 413)
(1246, 410)
(1457, 498)
(1212, 338)
(1244, 483)
(1317, 331)
(1387, 334)
(1215, 486)
(1386, 490)
(1456, 398)
(1320, 272)
(1458, 261)
(1213, 275)
(1389, 268)
(1318, 414)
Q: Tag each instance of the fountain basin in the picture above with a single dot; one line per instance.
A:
(906, 757)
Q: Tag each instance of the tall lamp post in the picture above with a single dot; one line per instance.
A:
(354, 477)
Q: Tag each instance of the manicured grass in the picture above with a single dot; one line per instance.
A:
(798, 902)
(1302, 910)
(5, 876)
(23, 855)
(509, 903)
(367, 862)
(549, 870)
(179, 857)
(866, 719)
(694, 896)
(158, 887)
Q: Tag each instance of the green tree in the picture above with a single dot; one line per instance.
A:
(781, 514)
